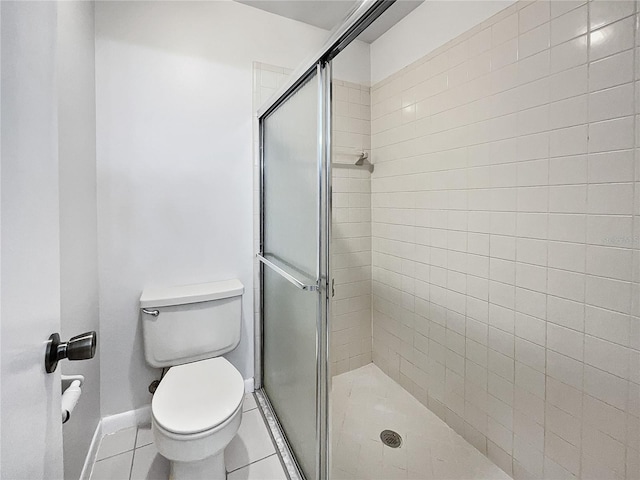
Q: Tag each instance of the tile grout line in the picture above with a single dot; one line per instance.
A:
(133, 457)
(251, 463)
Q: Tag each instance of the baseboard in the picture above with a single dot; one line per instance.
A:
(92, 453)
(248, 385)
(109, 425)
(132, 418)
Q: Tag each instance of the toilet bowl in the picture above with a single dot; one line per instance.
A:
(196, 412)
(197, 408)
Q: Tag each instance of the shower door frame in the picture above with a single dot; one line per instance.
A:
(365, 13)
(321, 288)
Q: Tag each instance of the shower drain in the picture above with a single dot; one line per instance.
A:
(390, 438)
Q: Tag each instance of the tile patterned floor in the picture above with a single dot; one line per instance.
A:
(365, 402)
(131, 455)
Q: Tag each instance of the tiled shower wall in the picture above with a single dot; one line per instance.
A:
(351, 225)
(506, 237)
(351, 229)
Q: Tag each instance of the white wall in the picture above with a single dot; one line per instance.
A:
(174, 142)
(353, 64)
(78, 222)
(430, 25)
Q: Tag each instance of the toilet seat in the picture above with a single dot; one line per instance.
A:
(198, 396)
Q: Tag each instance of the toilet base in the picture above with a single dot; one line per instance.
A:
(211, 468)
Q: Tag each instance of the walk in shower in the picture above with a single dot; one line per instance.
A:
(449, 254)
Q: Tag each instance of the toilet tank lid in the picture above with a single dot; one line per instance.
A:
(185, 294)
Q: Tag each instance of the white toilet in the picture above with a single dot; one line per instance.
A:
(197, 408)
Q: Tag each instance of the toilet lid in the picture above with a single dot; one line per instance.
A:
(197, 396)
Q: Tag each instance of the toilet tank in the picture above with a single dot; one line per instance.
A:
(191, 322)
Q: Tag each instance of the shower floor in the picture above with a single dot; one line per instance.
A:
(365, 402)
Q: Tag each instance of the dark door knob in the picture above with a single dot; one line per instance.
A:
(80, 347)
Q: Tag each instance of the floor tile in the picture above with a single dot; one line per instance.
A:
(249, 402)
(148, 464)
(252, 442)
(145, 436)
(269, 468)
(117, 467)
(364, 402)
(116, 443)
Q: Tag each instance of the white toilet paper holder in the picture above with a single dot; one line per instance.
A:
(71, 392)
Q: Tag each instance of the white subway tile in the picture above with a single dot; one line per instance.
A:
(534, 41)
(567, 228)
(562, 452)
(607, 293)
(480, 42)
(611, 103)
(504, 54)
(569, 25)
(568, 141)
(611, 198)
(611, 71)
(565, 312)
(607, 356)
(531, 251)
(602, 456)
(565, 369)
(530, 328)
(568, 113)
(564, 425)
(531, 303)
(566, 341)
(531, 277)
(504, 30)
(568, 170)
(569, 54)
(533, 15)
(605, 387)
(530, 431)
(568, 199)
(560, 8)
(608, 325)
(534, 67)
(614, 134)
(564, 396)
(572, 82)
(603, 12)
(611, 39)
(604, 417)
(611, 167)
(609, 262)
(609, 230)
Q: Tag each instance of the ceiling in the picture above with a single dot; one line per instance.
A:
(327, 14)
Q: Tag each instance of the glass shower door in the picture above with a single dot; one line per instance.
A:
(294, 253)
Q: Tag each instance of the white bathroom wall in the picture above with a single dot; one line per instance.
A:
(174, 143)
(506, 226)
(353, 64)
(78, 216)
(429, 26)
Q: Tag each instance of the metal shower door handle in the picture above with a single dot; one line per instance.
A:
(290, 278)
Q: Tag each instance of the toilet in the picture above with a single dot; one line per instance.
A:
(197, 408)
